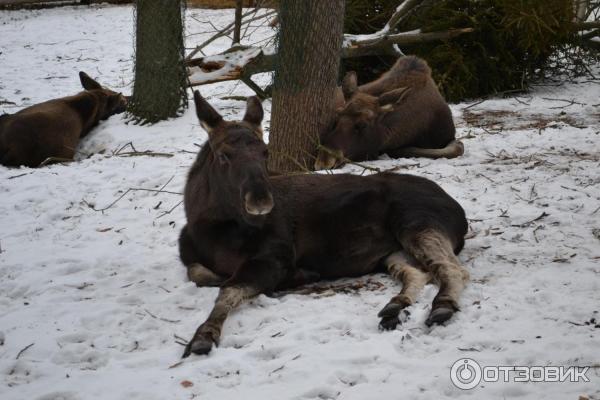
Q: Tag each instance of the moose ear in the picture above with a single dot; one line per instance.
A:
(254, 111)
(208, 116)
(349, 85)
(87, 82)
(393, 96)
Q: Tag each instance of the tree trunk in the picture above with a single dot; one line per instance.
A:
(159, 90)
(237, 29)
(310, 41)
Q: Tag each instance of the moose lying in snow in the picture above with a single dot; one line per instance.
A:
(402, 114)
(251, 234)
(51, 130)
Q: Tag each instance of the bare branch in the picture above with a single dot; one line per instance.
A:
(253, 60)
(227, 30)
(581, 26)
(401, 12)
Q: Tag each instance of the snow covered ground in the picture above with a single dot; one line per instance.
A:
(91, 301)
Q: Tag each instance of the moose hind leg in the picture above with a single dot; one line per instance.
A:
(196, 272)
(413, 280)
(433, 249)
(452, 150)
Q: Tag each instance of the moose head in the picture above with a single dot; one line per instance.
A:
(111, 102)
(239, 159)
(356, 135)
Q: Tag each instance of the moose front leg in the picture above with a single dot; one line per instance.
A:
(210, 331)
(256, 276)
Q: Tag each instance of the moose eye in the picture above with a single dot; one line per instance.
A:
(266, 153)
(223, 159)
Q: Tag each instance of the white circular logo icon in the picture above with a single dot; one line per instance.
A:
(465, 373)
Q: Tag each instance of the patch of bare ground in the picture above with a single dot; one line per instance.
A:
(499, 120)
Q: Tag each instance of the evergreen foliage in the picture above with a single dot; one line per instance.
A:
(514, 42)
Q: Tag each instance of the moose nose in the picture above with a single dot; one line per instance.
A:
(258, 206)
(325, 160)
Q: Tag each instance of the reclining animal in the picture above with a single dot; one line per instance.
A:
(249, 233)
(51, 130)
(402, 114)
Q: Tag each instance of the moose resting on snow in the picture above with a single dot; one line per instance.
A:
(402, 114)
(51, 130)
(251, 234)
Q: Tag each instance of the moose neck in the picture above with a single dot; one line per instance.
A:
(383, 131)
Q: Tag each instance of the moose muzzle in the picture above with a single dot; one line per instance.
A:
(258, 204)
(328, 159)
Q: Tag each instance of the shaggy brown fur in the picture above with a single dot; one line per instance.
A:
(250, 233)
(402, 113)
(51, 130)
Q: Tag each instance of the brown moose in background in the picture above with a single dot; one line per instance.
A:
(50, 131)
(402, 114)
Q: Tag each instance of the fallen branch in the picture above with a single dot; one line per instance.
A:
(134, 152)
(165, 185)
(582, 26)
(23, 350)
(20, 175)
(55, 160)
(243, 62)
(124, 194)
(147, 153)
(385, 45)
(173, 321)
(528, 223)
(170, 211)
(398, 16)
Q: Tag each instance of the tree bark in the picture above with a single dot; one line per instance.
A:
(159, 90)
(237, 29)
(306, 71)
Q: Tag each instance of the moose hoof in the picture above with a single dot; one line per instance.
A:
(390, 310)
(439, 316)
(199, 346)
(389, 323)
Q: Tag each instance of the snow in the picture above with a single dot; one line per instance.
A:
(230, 63)
(100, 296)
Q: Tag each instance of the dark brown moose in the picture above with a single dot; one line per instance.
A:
(402, 114)
(249, 233)
(50, 131)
